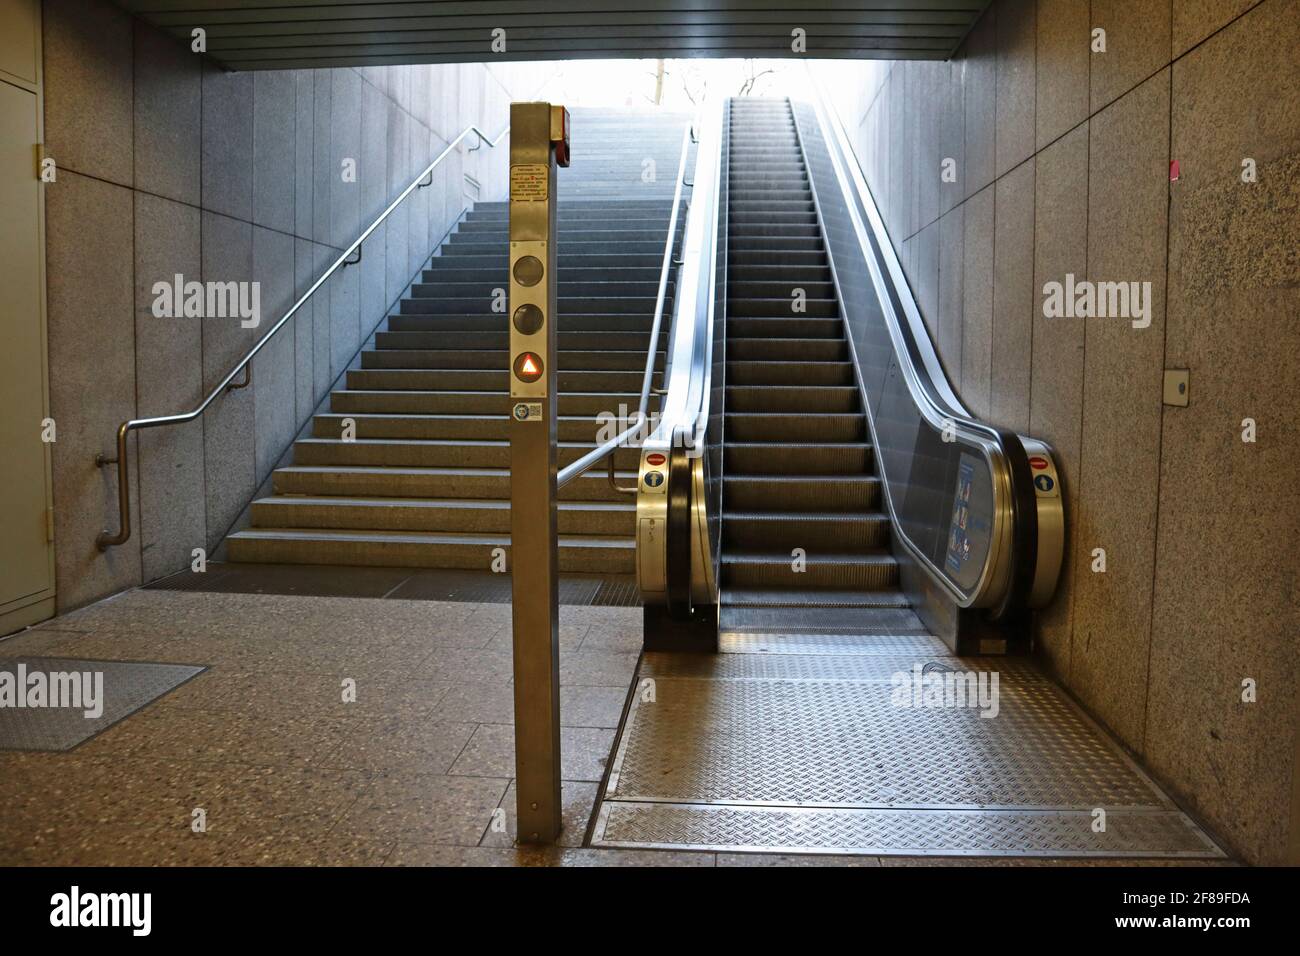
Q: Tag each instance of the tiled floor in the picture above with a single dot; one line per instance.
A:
(416, 771)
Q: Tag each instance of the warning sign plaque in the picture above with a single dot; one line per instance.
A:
(528, 182)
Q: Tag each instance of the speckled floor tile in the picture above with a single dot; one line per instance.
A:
(206, 736)
(180, 846)
(571, 638)
(353, 657)
(491, 752)
(576, 801)
(367, 697)
(403, 744)
(61, 801)
(110, 646)
(476, 703)
(465, 664)
(602, 668)
(285, 770)
(35, 642)
(625, 639)
(597, 615)
(583, 706)
(424, 808)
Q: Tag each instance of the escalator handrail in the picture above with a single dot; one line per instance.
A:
(573, 470)
(686, 384)
(933, 396)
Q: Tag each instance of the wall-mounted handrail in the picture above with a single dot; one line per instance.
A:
(107, 540)
(571, 471)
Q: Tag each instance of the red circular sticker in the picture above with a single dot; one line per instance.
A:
(1038, 463)
(655, 459)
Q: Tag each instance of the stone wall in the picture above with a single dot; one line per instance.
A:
(168, 165)
(1063, 166)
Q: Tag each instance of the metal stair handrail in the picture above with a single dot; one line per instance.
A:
(107, 540)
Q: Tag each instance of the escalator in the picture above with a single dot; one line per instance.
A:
(818, 469)
(851, 555)
(803, 527)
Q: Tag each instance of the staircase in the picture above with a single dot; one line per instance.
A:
(803, 525)
(426, 480)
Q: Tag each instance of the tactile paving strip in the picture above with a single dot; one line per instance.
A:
(127, 686)
(788, 752)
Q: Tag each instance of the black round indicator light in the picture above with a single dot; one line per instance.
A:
(528, 270)
(528, 319)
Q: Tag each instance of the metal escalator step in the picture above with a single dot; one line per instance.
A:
(783, 398)
(795, 426)
(809, 568)
(825, 349)
(813, 530)
(733, 598)
(797, 458)
(781, 327)
(783, 306)
(793, 372)
(800, 493)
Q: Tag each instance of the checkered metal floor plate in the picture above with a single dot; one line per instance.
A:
(116, 689)
(786, 746)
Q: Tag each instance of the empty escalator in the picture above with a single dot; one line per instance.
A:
(803, 525)
(821, 471)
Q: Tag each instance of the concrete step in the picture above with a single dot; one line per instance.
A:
(486, 380)
(576, 428)
(475, 515)
(374, 482)
(500, 358)
(419, 549)
(434, 453)
(394, 402)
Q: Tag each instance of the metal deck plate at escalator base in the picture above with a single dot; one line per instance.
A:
(783, 751)
(916, 832)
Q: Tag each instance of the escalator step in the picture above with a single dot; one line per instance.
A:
(814, 531)
(782, 398)
(807, 567)
(800, 426)
(786, 458)
(800, 493)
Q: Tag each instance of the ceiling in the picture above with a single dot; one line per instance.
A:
(295, 34)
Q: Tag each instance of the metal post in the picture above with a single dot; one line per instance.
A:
(538, 140)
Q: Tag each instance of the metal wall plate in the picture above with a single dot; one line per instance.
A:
(1178, 383)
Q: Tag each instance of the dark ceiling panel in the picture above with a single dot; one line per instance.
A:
(295, 34)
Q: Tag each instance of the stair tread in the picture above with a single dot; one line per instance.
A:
(418, 537)
(499, 504)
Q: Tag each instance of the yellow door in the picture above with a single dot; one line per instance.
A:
(26, 576)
